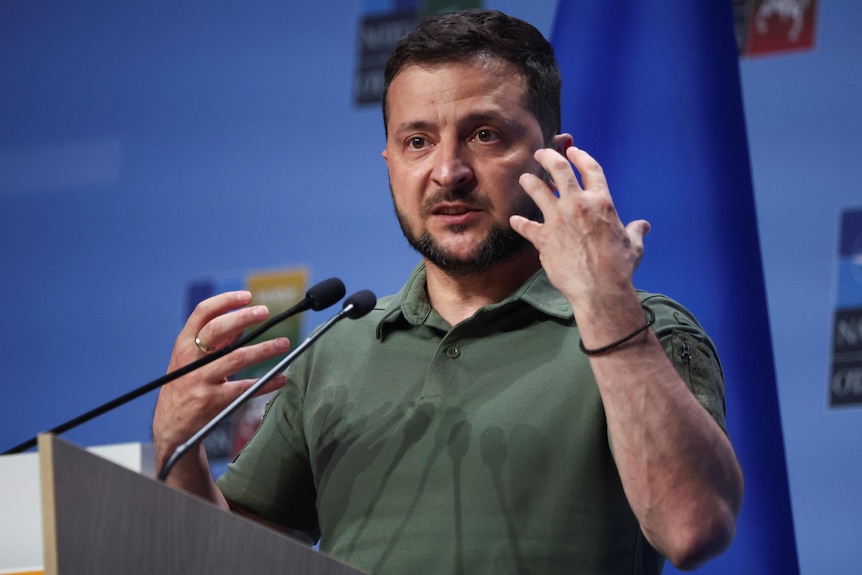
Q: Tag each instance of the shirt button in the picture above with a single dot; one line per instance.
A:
(453, 352)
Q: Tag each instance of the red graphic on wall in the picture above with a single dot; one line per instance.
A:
(779, 26)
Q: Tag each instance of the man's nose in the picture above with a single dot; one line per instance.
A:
(452, 166)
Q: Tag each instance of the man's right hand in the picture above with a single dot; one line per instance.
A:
(186, 404)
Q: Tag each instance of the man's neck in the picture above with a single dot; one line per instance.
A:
(457, 297)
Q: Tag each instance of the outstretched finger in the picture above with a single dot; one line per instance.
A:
(238, 387)
(559, 168)
(245, 357)
(636, 231)
(226, 329)
(210, 308)
(592, 174)
(538, 189)
(525, 227)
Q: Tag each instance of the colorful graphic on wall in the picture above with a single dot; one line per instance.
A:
(384, 23)
(845, 382)
(775, 26)
(278, 290)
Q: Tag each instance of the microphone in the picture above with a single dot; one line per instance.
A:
(319, 296)
(354, 307)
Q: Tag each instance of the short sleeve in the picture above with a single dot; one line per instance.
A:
(692, 353)
(271, 477)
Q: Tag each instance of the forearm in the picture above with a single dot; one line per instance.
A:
(677, 466)
(191, 473)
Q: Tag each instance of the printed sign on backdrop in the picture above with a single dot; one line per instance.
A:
(776, 26)
(383, 23)
(845, 384)
(278, 290)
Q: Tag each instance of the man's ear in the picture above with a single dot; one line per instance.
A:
(385, 155)
(561, 143)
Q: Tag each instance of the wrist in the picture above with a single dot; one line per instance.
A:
(649, 320)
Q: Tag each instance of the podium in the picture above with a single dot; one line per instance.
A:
(99, 517)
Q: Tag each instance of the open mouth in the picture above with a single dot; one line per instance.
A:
(455, 214)
(453, 210)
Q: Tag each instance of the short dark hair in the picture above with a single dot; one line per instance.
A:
(462, 36)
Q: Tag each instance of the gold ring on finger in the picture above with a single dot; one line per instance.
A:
(202, 347)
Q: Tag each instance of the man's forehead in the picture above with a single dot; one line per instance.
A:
(480, 63)
(477, 89)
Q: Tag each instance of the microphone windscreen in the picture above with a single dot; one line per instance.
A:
(324, 294)
(362, 302)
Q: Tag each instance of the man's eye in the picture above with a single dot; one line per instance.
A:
(417, 143)
(486, 136)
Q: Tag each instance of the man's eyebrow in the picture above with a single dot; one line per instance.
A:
(496, 118)
(487, 116)
(478, 117)
(414, 126)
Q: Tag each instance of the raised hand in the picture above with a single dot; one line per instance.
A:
(186, 404)
(588, 254)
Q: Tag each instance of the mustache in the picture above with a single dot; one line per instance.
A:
(469, 197)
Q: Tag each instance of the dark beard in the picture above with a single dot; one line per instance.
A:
(500, 245)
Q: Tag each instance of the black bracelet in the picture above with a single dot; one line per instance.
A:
(650, 320)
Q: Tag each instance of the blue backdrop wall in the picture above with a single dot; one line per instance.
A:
(147, 144)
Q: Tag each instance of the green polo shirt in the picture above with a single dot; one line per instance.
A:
(415, 447)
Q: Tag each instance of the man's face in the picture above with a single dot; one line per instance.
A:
(459, 138)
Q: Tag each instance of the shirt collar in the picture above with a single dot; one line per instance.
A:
(410, 306)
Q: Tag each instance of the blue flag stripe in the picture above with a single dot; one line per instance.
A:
(652, 91)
